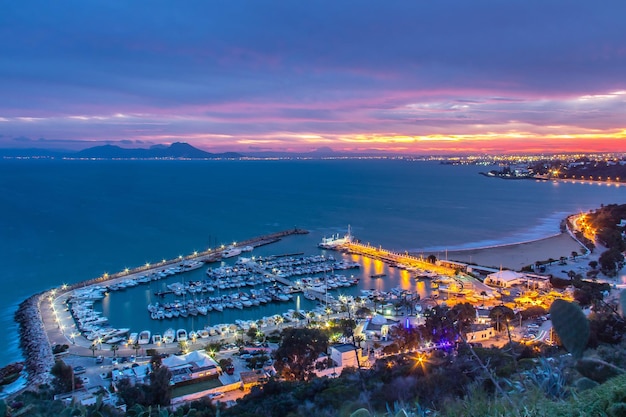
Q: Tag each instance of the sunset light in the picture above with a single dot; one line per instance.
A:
(416, 78)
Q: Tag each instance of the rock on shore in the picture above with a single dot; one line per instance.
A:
(34, 341)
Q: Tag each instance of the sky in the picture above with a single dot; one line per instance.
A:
(403, 76)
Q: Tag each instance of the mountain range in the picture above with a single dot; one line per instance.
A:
(176, 150)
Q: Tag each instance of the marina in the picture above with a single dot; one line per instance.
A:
(193, 220)
(277, 289)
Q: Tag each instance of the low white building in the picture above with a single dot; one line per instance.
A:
(194, 365)
(378, 327)
(479, 333)
(345, 355)
(505, 279)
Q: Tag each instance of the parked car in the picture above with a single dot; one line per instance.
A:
(79, 370)
(100, 359)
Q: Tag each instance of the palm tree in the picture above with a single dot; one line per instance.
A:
(93, 349)
(483, 294)
(114, 348)
(574, 254)
(310, 315)
(279, 321)
(136, 346)
(501, 312)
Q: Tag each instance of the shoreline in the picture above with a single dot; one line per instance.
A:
(516, 255)
(39, 333)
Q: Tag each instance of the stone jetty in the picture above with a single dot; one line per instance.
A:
(34, 341)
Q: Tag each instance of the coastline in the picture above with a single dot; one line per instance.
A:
(37, 333)
(516, 255)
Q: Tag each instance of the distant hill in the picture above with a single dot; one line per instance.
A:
(324, 152)
(179, 150)
(175, 150)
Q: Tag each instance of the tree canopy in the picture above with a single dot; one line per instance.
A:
(299, 349)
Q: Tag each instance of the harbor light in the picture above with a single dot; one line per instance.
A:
(195, 253)
(147, 264)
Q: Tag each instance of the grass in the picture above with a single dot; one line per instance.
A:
(193, 388)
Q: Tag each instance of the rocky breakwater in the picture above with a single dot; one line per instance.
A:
(34, 341)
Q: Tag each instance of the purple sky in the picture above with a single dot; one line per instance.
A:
(409, 76)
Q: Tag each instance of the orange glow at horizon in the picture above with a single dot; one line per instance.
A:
(497, 142)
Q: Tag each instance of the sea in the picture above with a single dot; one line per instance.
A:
(65, 221)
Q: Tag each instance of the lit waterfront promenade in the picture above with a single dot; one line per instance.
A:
(464, 281)
(393, 257)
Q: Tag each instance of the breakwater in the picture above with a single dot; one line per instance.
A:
(34, 341)
(207, 256)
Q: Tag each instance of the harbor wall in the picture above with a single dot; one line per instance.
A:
(34, 341)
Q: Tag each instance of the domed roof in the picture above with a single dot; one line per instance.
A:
(378, 319)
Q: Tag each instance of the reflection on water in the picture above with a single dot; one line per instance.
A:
(128, 308)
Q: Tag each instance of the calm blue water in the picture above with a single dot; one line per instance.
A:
(66, 221)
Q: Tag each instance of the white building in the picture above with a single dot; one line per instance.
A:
(194, 365)
(479, 333)
(505, 279)
(345, 355)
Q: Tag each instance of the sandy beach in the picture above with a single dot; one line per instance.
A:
(516, 256)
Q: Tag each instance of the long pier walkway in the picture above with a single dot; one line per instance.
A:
(209, 255)
(394, 257)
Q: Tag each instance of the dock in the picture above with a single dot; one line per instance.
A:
(207, 256)
(394, 258)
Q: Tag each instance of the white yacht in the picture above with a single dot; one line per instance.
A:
(168, 336)
(144, 337)
(230, 252)
(335, 241)
(181, 335)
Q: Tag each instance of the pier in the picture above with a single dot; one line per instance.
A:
(207, 256)
(394, 258)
